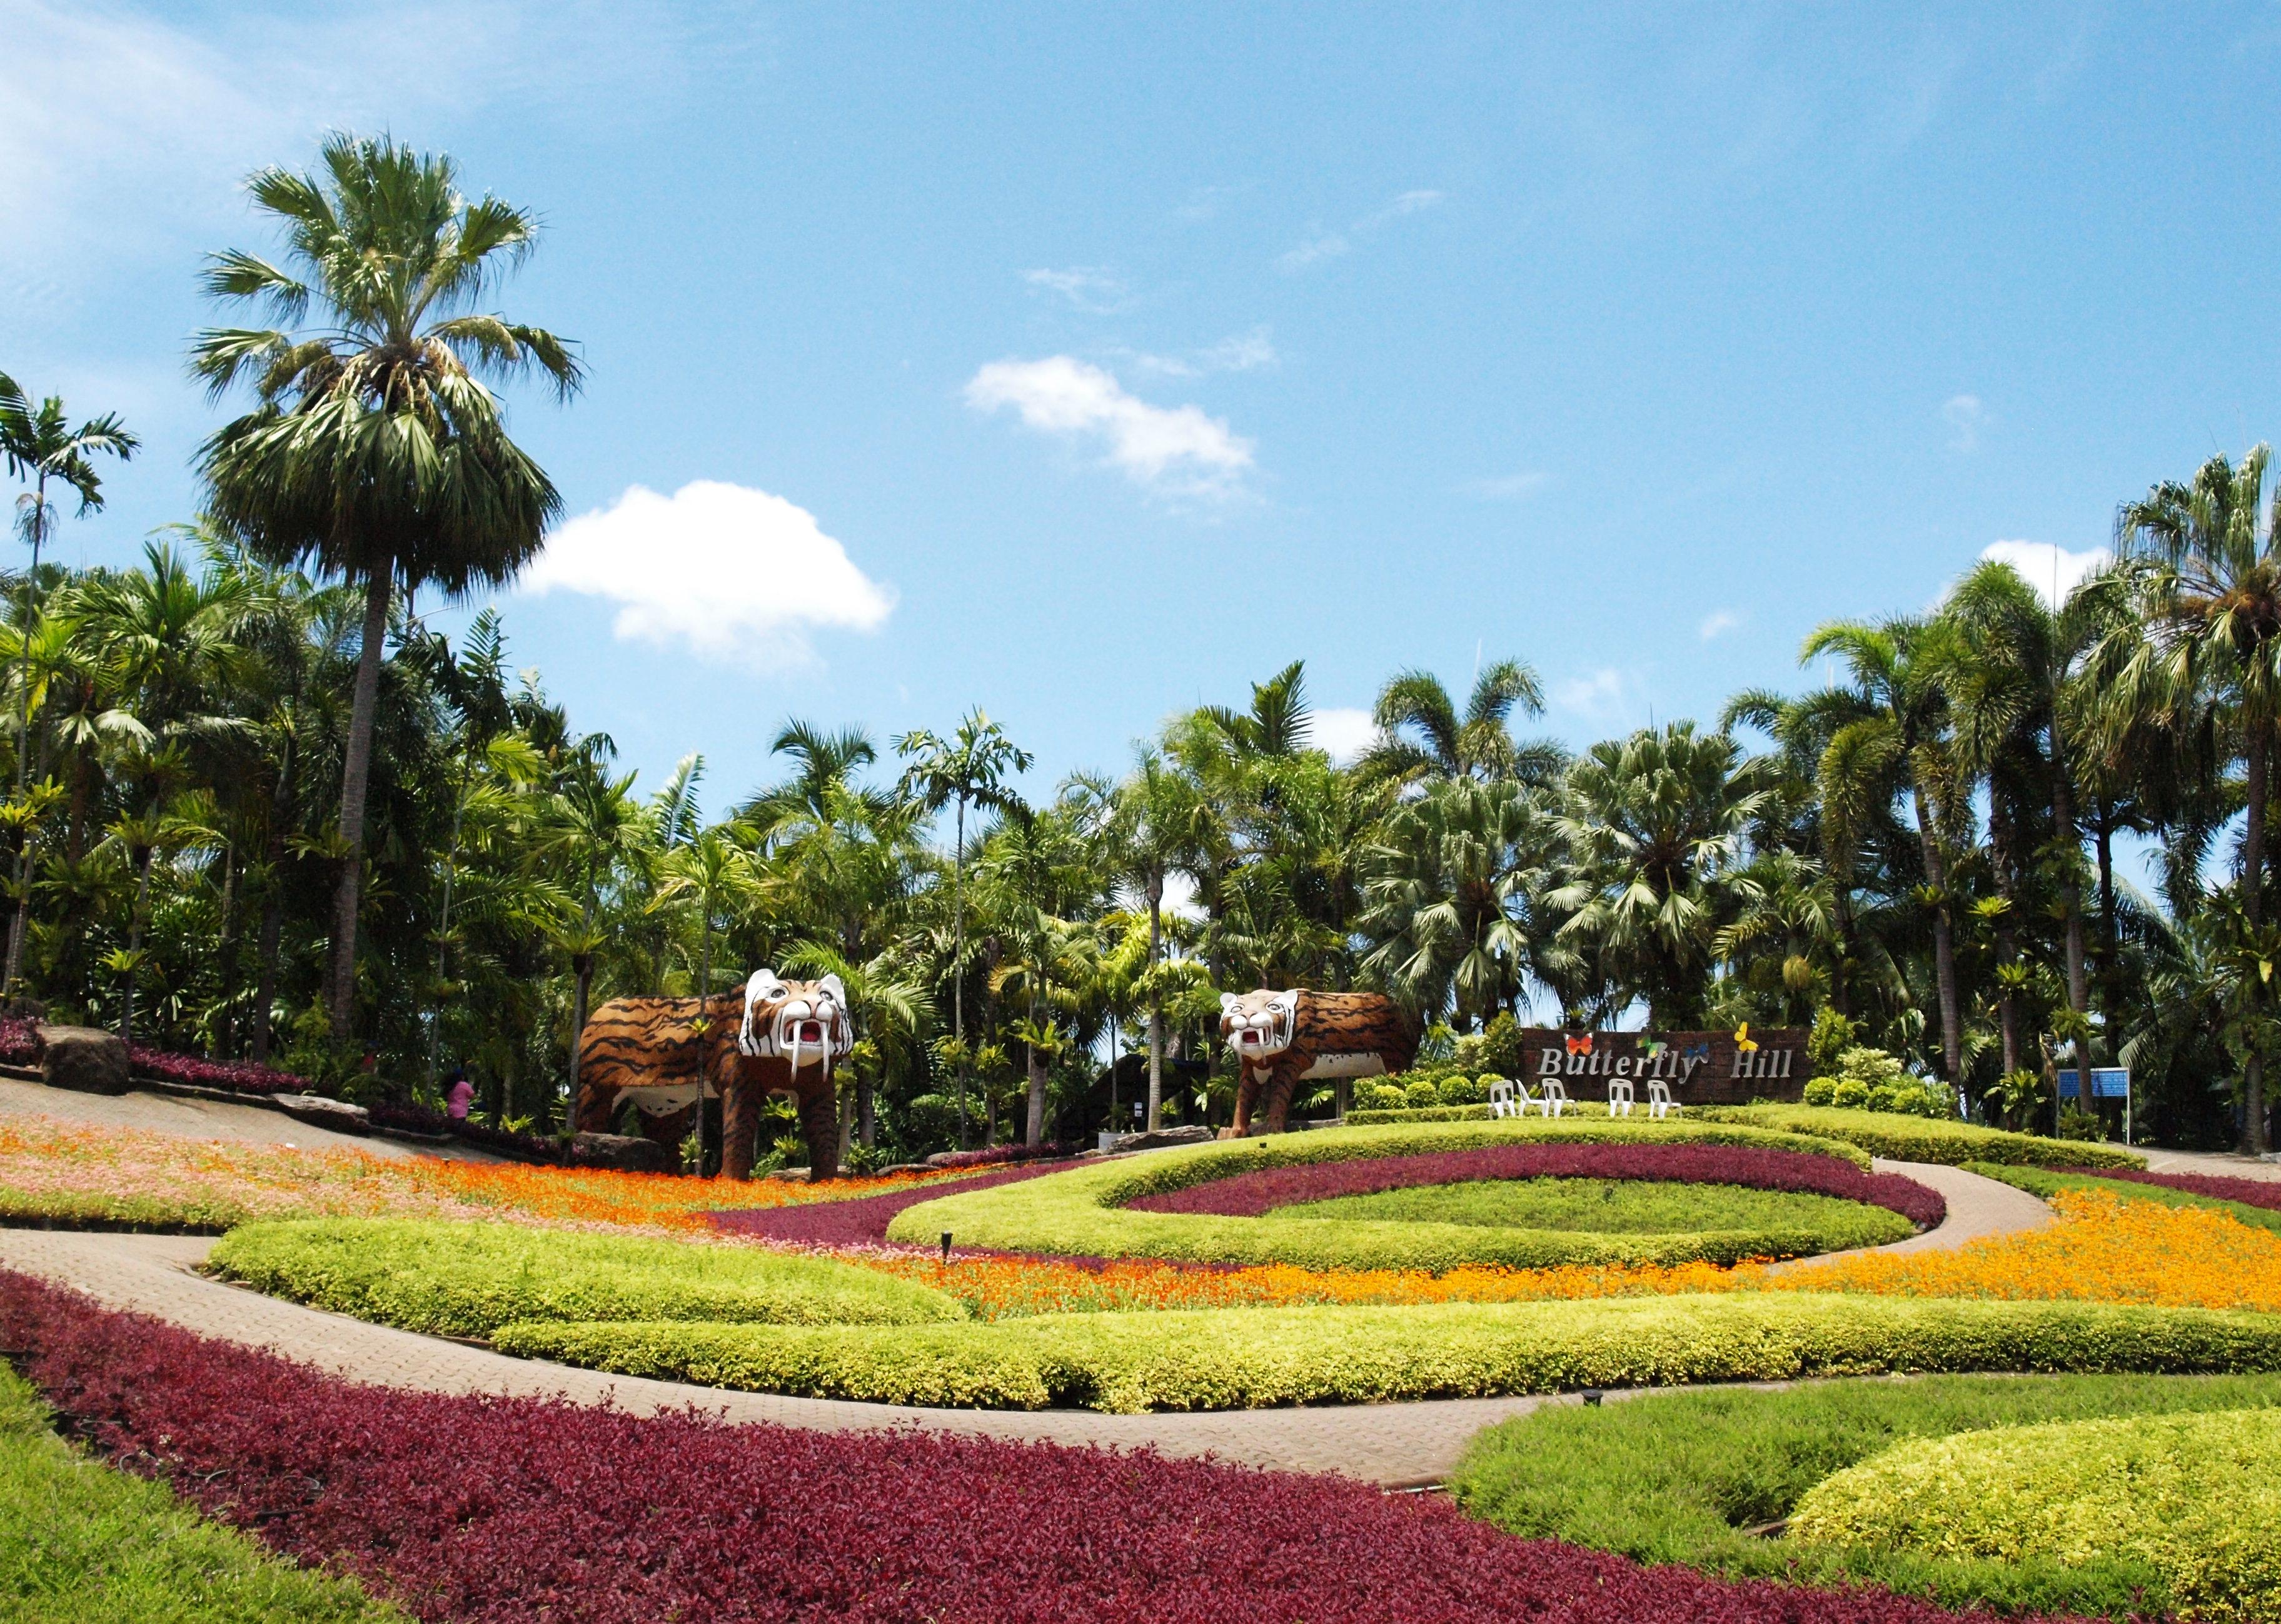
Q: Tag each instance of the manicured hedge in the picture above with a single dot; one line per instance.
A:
(1924, 1139)
(1683, 1477)
(2045, 1181)
(1252, 1194)
(2198, 1498)
(500, 1510)
(1079, 1213)
(861, 1220)
(82, 1544)
(1239, 1359)
(468, 1279)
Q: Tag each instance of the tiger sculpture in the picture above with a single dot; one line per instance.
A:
(774, 1036)
(1281, 1038)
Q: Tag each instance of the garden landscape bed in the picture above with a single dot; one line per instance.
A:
(480, 1511)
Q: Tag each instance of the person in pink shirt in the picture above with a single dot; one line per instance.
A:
(460, 1096)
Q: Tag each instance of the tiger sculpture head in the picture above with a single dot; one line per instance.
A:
(1257, 1025)
(800, 1022)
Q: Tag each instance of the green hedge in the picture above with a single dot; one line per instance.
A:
(2197, 1497)
(1081, 1212)
(468, 1278)
(1922, 1139)
(82, 1544)
(1243, 1358)
(2042, 1181)
(1682, 1477)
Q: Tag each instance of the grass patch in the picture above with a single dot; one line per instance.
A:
(468, 1278)
(1246, 1359)
(2196, 1499)
(1924, 1139)
(1079, 1213)
(1620, 1206)
(82, 1544)
(1677, 1477)
(2042, 1181)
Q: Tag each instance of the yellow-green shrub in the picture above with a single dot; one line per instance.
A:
(2196, 1497)
(468, 1279)
(1239, 1359)
(1924, 1139)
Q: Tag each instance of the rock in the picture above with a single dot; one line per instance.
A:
(1164, 1138)
(84, 1058)
(623, 1153)
(318, 1112)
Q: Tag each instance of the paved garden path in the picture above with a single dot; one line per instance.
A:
(202, 1119)
(2216, 1164)
(1385, 1444)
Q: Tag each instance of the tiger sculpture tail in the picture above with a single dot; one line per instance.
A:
(1283, 1038)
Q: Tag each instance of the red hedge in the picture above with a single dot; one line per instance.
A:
(2250, 1192)
(487, 1510)
(862, 1222)
(1248, 1195)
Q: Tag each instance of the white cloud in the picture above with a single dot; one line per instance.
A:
(1593, 693)
(1508, 487)
(2052, 570)
(1087, 288)
(1245, 352)
(1719, 621)
(1966, 416)
(1173, 449)
(1321, 245)
(735, 573)
(1343, 732)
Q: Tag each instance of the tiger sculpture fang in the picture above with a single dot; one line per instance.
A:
(775, 1037)
(1282, 1038)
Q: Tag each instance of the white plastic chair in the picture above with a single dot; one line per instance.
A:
(1620, 1097)
(1659, 1103)
(1502, 1103)
(1556, 1098)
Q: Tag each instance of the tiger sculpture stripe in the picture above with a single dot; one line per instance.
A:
(774, 1036)
(1282, 1038)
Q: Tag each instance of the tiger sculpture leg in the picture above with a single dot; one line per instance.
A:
(1266, 1091)
(814, 1094)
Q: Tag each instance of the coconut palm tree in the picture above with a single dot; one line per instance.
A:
(2204, 562)
(1422, 735)
(374, 447)
(40, 445)
(971, 769)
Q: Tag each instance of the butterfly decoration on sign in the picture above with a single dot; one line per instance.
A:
(1652, 1047)
(1697, 1052)
(1743, 1041)
(1580, 1042)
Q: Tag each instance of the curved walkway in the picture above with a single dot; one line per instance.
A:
(186, 1118)
(1395, 1443)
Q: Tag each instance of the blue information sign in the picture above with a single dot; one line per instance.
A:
(2107, 1083)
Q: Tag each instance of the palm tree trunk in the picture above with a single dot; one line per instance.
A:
(1155, 1007)
(582, 967)
(1943, 946)
(273, 906)
(958, 962)
(19, 923)
(2064, 829)
(226, 954)
(2007, 937)
(134, 943)
(2252, 886)
(355, 778)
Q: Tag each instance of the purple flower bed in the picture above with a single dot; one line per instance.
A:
(243, 1078)
(484, 1510)
(2250, 1192)
(1051, 1151)
(861, 1222)
(1249, 1195)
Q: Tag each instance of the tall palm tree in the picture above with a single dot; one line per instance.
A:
(968, 769)
(39, 445)
(374, 447)
(2204, 561)
(1160, 828)
(1422, 733)
(600, 826)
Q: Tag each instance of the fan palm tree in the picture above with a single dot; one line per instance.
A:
(968, 769)
(374, 447)
(2204, 562)
(39, 445)
(1422, 735)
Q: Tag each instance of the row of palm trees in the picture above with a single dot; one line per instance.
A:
(1925, 849)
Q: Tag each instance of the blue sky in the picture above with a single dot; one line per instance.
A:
(1084, 364)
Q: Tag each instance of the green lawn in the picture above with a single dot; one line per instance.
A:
(1619, 1207)
(80, 1543)
(1677, 1477)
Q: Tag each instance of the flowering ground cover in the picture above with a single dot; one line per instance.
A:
(2249, 1192)
(1253, 1194)
(2196, 1499)
(482, 1511)
(859, 1220)
(1687, 1477)
(54, 1172)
